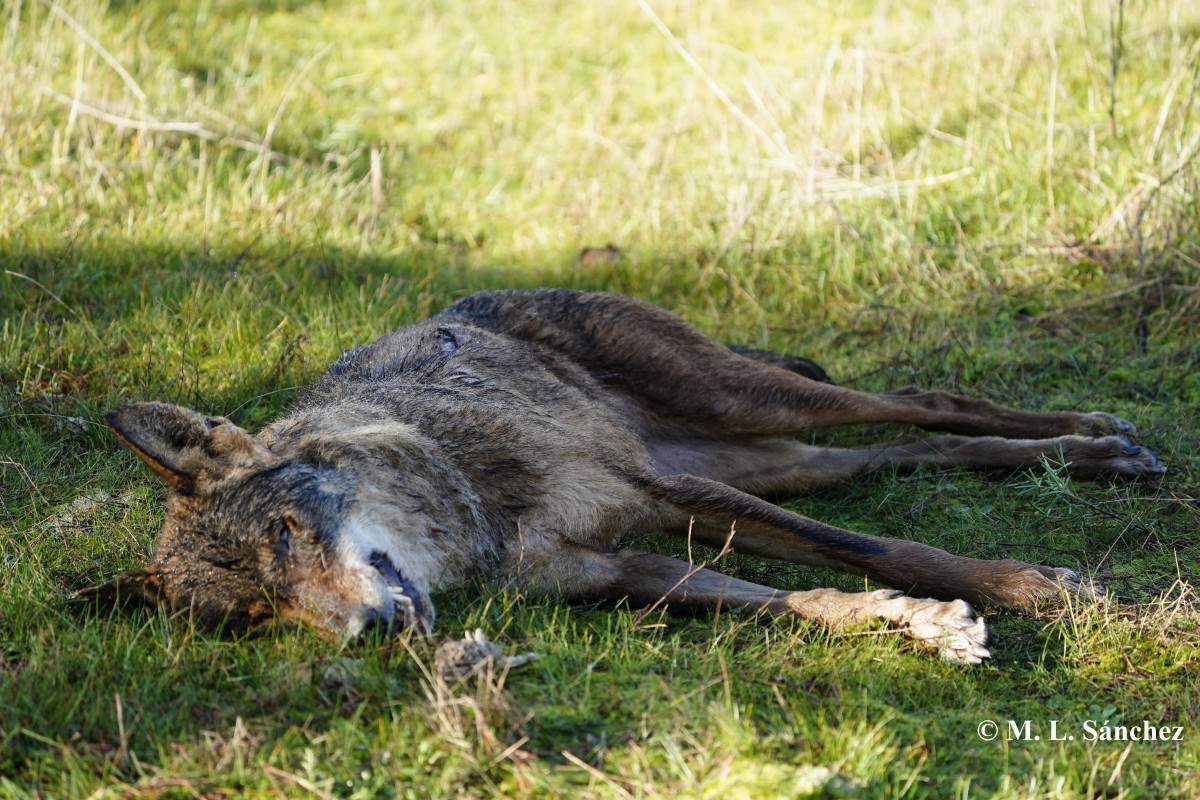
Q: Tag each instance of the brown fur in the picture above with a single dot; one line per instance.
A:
(518, 436)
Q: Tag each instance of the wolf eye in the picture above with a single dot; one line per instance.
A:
(447, 340)
(283, 539)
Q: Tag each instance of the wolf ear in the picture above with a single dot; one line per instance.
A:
(134, 587)
(186, 448)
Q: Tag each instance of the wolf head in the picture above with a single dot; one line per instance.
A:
(253, 538)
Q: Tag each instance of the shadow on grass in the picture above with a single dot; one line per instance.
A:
(234, 334)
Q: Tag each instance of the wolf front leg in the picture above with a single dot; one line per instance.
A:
(708, 511)
(950, 629)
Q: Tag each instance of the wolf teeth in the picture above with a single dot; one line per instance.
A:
(400, 598)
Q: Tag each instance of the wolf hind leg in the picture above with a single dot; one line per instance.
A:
(805, 367)
(687, 382)
(1085, 457)
(776, 465)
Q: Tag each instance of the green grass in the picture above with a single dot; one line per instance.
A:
(956, 195)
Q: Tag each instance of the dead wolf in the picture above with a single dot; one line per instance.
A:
(517, 436)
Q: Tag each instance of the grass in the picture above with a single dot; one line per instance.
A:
(205, 201)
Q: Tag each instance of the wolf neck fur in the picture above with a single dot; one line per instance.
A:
(406, 490)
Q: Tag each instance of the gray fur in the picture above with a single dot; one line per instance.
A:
(519, 436)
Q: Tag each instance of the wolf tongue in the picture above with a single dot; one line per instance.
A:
(381, 561)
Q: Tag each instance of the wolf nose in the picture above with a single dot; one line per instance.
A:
(375, 625)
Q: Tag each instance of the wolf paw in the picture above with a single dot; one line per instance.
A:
(1101, 423)
(1028, 587)
(952, 628)
(1067, 584)
(1137, 460)
(1110, 457)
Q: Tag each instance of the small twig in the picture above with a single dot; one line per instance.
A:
(876, 632)
(715, 87)
(284, 97)
(857, 190)
(260, 397)
(19, 467)
(648, 610)
(306, 785)
(728, 546)
(693, 569)
(1107, 298)
(147, 125)
(595, 773)
(91, 42)
(275, 786)
(152, 125)
(1046, 547)
(58, 299)
(123, 754)
(1116, 773)
(1116, 26)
